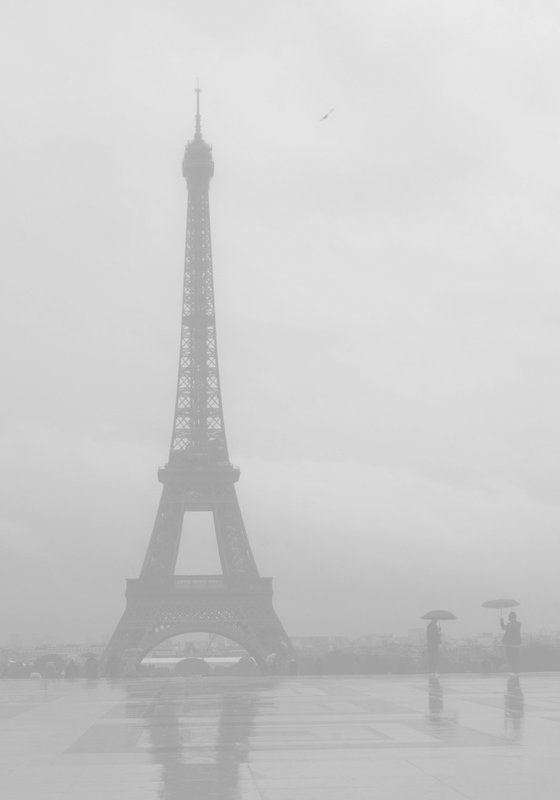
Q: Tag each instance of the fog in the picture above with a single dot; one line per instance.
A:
(387, 296)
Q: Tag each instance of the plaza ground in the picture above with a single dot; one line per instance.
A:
(330, 738)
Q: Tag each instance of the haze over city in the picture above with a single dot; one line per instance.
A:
(386, 289)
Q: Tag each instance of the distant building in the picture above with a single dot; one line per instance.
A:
(311, 643)
(416, 635)
(67, 649)
(485, 639)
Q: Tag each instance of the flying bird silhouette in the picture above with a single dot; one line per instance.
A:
(329, 112)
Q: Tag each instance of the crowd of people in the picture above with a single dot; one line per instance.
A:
(51, 667)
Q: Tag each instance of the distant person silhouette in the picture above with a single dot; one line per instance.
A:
(512, 640)
(292, 666)
(50, 670)
(16, 670)
(91, 668)
(272, 663)
(71, 670)
(433, 641)
(113, 665)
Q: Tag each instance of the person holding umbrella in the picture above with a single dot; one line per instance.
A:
(511, 628)
(433, 641)
(512, 640)
(433, 636)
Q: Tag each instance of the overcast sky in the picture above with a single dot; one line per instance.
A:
(387, 290)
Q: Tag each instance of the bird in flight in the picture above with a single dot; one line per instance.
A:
(329, 112)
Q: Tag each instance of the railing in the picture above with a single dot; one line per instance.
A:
(202, 584)
(217, 583)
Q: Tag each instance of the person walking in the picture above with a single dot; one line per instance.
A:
(91, 668)
(71, 670)
(433, 641)
(512, 641)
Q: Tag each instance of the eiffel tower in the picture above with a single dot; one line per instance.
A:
(198, 477)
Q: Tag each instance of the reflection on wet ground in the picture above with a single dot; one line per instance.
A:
(200, 740)
(446, 724)
(514, 709)
(281, 739)
(435, 698)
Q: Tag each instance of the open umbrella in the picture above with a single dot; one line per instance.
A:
(438, 614)
(501, 603)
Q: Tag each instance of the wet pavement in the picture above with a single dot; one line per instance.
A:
(484, 738)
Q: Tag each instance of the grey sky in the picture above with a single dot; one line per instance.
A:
(387, 290)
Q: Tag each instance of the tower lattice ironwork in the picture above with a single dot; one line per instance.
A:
(198, 477)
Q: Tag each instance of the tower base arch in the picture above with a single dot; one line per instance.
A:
(209, 604)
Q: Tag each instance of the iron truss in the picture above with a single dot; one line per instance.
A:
(198, 428)
(198, 477)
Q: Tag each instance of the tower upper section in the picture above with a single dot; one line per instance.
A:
(198, 164)
(198, 426)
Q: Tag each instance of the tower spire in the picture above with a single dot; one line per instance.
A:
(197, 92)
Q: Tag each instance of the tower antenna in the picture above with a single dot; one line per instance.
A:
(197, 91)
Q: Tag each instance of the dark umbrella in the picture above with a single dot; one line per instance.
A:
(501, 603)
(439, 614)
(191, 666)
